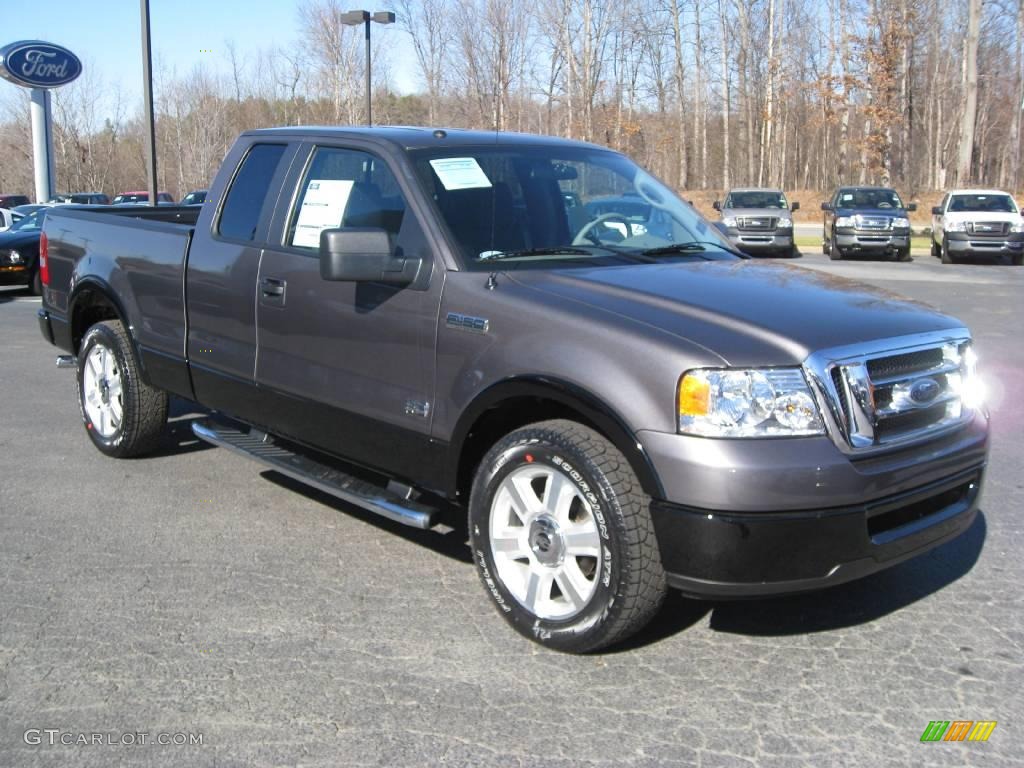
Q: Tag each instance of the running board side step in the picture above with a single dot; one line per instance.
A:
(261, 447)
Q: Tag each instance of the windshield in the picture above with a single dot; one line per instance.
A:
(559, 206)
(29, 223)
(868, 198)
(132, 199)
(982, 203)
(756, 199)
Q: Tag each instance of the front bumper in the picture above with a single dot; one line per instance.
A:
(745, 518)
(756, 243)
(851, 241)
(964, 244)
(14, 274)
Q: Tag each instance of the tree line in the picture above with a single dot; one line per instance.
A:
(707, 94)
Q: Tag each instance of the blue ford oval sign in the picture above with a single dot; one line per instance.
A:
(36, 64)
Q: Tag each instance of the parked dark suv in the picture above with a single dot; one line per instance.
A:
(9, 201)
(866, 220)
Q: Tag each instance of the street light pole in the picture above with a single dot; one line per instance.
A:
(353, 18)
(147, 95)
(369, 100)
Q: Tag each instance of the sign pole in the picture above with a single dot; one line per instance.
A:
(147, 94)
(42, 143)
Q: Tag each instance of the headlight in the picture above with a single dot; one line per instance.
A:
(966, 382)
(729, 221)
(764, 402)
(1018, 227)
(901, 223)
(845, 221)
(785, 224)
(955, 226)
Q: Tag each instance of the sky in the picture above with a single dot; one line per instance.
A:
(105, 35)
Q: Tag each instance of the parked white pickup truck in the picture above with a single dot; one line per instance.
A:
(971, 222)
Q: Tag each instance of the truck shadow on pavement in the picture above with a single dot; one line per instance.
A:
(845, 605)
(178, 437)
(450, 538)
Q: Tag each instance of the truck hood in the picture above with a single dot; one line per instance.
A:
(888, 212)
(747, 313)
(18, 239)
(758, 212)
(1013, 218)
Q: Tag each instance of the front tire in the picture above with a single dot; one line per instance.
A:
(562, 538)
(35, 284)
(123, 415)
(944, 254)
(833, 250)
(903, 254)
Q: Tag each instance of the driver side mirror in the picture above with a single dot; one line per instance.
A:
(936, 210)
(826, 207)
(912, 207)
(717, 205)
(363, 254)
(794, 207)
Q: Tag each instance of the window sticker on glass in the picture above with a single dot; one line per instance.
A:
(322, 208)
(460, 173)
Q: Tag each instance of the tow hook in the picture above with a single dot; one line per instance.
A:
(67, 361)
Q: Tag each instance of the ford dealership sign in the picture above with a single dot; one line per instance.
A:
(36, 64)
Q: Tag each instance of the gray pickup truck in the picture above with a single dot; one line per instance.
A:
(425, 321)
(759, 221)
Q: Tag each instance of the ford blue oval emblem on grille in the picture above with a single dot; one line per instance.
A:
(924, 391)
(38, 64)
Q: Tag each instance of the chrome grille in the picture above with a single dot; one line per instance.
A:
(988, 228)
(756, 223)
(877, 397)
(873, 223)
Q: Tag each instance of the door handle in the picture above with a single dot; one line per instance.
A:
(272, 287)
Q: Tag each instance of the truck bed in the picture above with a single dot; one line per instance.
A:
(139, 253)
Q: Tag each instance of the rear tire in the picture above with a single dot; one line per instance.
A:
(123, 415)
(562, 537)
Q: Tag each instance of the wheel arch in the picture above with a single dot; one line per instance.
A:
(516, 402)
(93, 300)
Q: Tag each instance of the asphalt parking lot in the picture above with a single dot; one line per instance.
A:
(194, 593)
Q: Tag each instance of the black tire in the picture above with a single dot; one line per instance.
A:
(944, 254)
(143, 408)
(903, 254)
(1017, 259)
(792, 253)
(628, 581)
(35, 284)
(833, 250)
(936, 248)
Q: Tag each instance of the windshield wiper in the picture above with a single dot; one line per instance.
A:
(562, 251)
(696, 247)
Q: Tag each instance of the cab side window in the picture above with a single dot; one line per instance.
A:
(345, 188)
(244, 203)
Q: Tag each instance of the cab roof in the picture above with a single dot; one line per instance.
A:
(419, 137)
